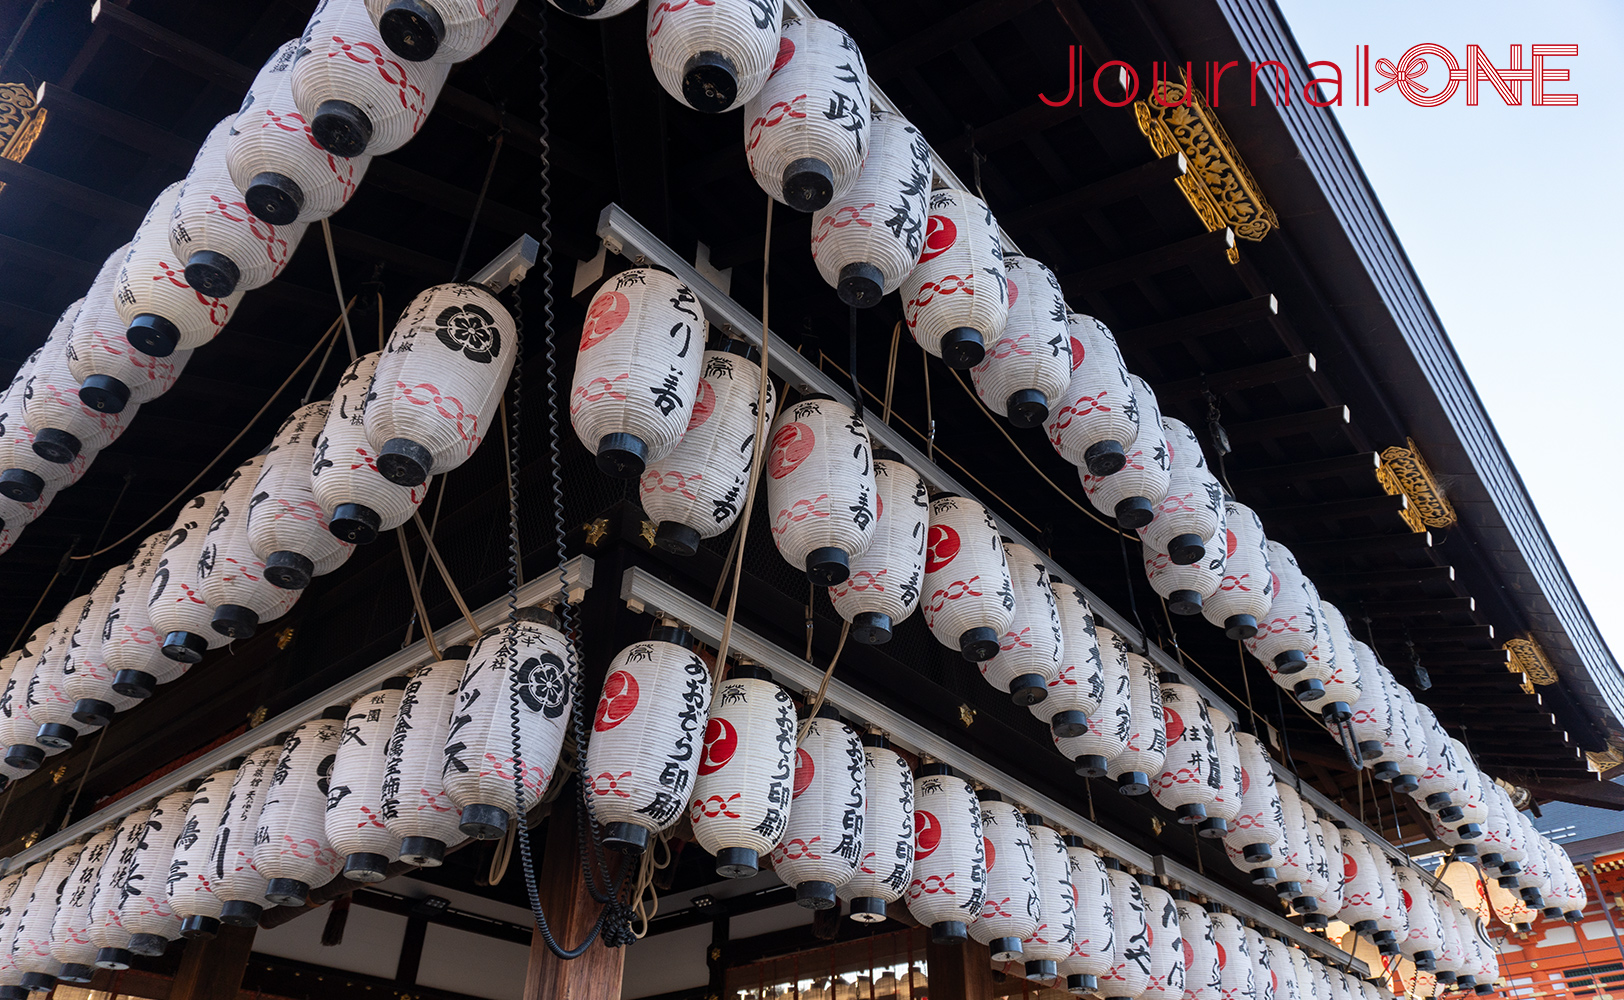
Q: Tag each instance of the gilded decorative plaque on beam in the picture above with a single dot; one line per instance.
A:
(1218, 185)
(1529, 659)
(20, 121)
(1404, 473)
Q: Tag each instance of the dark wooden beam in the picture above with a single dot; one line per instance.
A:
(1397, 542)
(1496, 658)
(1419, 609)
(20, 252)
(1598, 794)
(1336, 510)
(1288, 424)
(1215, 320)
(140, 135)
(1420, 576)
(945, 34)
(1436, 633)
(171, 46)
(1236, 379)
(1364, 463)
(958, 971)
(1205, 247)
(49, 187)
(1118, 187)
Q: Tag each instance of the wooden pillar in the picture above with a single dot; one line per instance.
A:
(212, 968)
(571, 912)
(716, 958)
(411, 950)
(959, 971)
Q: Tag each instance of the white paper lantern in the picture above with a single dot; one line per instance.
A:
(1192, 509)
(1227, 799)
(17, 726)
(697, 491)
(594, 9)
(1330, 901)
(1468, 795)
(274, 160)
(1316, 878)
(1235, 968)
(1444, 772)
(956, 299)
(886, 868)
(191, 881)
(1131, 493)
(822, 842)
(1203, 979)
(238, 884)
(230, 576)
(31, 945)
(647, 737)
(15, 515)
(1031, 649)
(145, 910)
(11, 918)
(806, 129)
(1294, 862)
(162, 311)
(1079, 685)
(1510, 908)
(107, 932)
(1189, 777)
(221, 245)
(291, 849)
(132, 646)
(1009, 910)
(25, 475)
(1027, 371)
(344, 478)
(1146, 750)
(1408, 746)
(180, 616)
(62, 423)
(86, 679)
(1264, 979)
(1503, 845)
(1246, 591)
(49, 705)
(1394, 923)
(1426, 931)
(867, 240)
(968, 598)
(111, 372)
(1186, 588)
(1106, 734)
(1167, 971)
(821, 488)
(287, 525)
(439, 381)
(949, 882)
(415, 805)
(1094, 944)
(1129, 975)
(1289, 636)
(883, 588)
(1099, 420)
(445, 31)
(713, 57)
(354, 821)
(1363, 895)
(1287, 984)
(1304, 972)
(1372, 719)
(358, 98)
(1342, 685)
(741, 801)
(530, 666)
(1050, 943)
(1451, 957)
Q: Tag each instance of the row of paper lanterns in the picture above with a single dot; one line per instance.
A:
(336, 473)
(317, 112)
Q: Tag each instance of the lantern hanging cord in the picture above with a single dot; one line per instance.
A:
(67, 815)
(338, 288)
(891, 373)
(856, 387)
(106, 522)
(479, 202)
(445, 575)
(417, 594)
(823, 685)
(186, 490)
(17, 640)
(759, 454)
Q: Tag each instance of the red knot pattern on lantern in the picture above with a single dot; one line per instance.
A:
(1079, 684)
(1110, 724)
(1031, 649)
(956, 299)
(821, 488)
(743, 791)
(1131, 961)
(287, 525)
(151, 288)
(464, 28)
(1097, 420)
(713, 56)
(823, 838)
(290, 841)
(232, 867)
(886, 578)
(227, 569)
(191, 878)
(949, 881)
(886, 867)
(1027, 369)
(867, 240)
(968, 598)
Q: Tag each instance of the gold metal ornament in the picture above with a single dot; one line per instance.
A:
(1404, 473)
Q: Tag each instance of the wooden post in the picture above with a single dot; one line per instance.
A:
(716, 958)
(571, 912)
(959, 971)
(212, 968)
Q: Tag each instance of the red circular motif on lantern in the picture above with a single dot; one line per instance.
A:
(940, 234)
(927, 835)
(987, 846)
(704, 404)
(1223, 958)
(941, 545)
(1077, 353)
(803, 772)
(721, 743)
(606, 315)
(790, 446)
(1174, 723)
(619, 699)
(1230, 544)
(786, 52)
(1189, 953)
(1349, 868)
(1406, 894)
(1013, 292)
(1274, 581)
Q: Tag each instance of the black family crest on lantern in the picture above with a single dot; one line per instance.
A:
(471, 330)
(541, 684)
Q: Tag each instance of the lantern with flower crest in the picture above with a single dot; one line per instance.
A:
(714, 57)
(1185, 588)
(1203, 980)
(445, 31)
(1235, 969)
(1363, 894)
(1426, 929)
(883, 588)
(1167, 972)
(867, 239)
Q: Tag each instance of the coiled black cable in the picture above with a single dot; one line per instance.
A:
(614, 920)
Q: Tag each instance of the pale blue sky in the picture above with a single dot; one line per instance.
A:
(1514, 219)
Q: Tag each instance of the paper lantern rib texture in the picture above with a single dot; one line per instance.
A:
(821, 488)
(132, 646)
(713, 57)
(163, 313)
(886, 868)
(1105, 735)
(1051, 941)
(231, 577)
(968, 599)
(1131, 493)
(956, 299)
(949, 883)
(287, 527)
(354, 821)
(291, 848)
(70, 928)
(191, 883)
(1129, 975)
(1094, 943)
(180, 615)
(442, 31)
(822, 843)
(1009, 909)
(1098, 420)
(31, 946)
(867, 240)
(1027, 370)
(86, 678)
(883, 587)
(49, 704)
(356, 499)
(238, 883)
(1189, 778)
(415, 805)
(145, 910)
(1285, 640)
(1146, 748)
(1246, 591)
(1078, 686)
(107, 932)
(63, 424)
(742, 796)
(1031, 649)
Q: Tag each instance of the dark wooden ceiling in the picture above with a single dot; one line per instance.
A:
(1079, 188)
